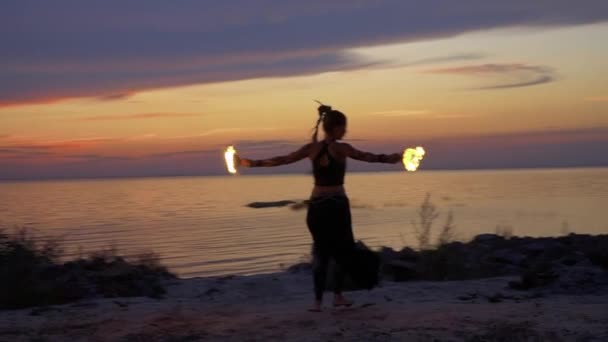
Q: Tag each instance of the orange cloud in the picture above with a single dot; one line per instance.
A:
(597, 99)
(58, 144)
(401, 112)
(508, 75)
(41, 100)
(118, 96)
(138, 116)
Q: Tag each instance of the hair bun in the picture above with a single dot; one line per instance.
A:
(323, 109)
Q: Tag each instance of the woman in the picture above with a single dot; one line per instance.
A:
(328, 217)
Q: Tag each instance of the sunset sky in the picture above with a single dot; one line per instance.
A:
(128, 88)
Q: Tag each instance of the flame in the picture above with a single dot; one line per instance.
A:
(229, 156)
(412, 158)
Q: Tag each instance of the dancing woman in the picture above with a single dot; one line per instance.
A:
(328, 217)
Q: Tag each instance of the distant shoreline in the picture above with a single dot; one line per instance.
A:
(299, 173)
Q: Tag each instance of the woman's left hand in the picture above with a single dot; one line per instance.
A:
(394, 158)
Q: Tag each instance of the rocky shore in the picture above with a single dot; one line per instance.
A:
(492, 288)
(573, 263)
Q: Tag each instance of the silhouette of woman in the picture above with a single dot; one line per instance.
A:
(328, 217)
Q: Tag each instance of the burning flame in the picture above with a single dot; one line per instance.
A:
(412, 158)
(229, 156)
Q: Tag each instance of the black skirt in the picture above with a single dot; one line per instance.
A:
(329, 222)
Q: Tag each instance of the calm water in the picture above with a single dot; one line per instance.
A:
(200, 225)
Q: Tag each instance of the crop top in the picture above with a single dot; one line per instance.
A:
(330, 174)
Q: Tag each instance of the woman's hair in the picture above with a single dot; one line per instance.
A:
(330, 118)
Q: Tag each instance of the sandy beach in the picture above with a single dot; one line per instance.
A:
(274, 307)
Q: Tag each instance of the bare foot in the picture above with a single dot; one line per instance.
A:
(316, 307)
(339, 300)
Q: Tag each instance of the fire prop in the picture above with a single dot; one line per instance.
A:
(412, 158)
(229, 156)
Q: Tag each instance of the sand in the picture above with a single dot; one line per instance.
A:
(274, 307)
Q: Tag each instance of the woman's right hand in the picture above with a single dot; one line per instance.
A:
(242, 161)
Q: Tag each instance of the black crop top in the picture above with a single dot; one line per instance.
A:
(332, 173)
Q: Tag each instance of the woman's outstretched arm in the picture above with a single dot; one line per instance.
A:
(371, 157)
(293, 157)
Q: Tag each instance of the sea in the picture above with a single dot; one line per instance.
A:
(202, 226)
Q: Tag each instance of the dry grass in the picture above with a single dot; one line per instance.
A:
(423, 227)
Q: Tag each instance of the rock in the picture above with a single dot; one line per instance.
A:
(584, 277)
(300, 267)
(573, 261)
(531, 280)
(496, 298)
(399, 270)
(507, 256)
(408, 254)
(212, 291)
(538, 247)
(387, 254)
(487, 238)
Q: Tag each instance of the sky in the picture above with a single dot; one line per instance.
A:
(155, 88)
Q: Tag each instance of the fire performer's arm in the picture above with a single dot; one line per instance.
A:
(293, 157)
(371, 157)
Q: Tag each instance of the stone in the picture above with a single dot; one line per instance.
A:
(399, 270)
(408, 254)
(507, 256)
(300, 267)
(487, 237)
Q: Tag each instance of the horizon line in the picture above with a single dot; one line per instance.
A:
(514, 168)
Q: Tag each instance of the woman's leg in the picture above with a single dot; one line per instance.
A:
(320, 263)
(343, 246)
(338, 279)
(362, 266)
(317, 225)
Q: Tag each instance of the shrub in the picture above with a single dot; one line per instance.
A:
(31, 273)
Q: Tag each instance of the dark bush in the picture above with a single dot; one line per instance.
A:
(31, 274)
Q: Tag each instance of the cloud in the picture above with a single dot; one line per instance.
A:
(61, 144)
(507, 75)
(427, 113)
(24, 153)
(63, 49)
(36, 87)
(142, 137)
(138, 116)
(182, 153)
(401, 112)
(114, 97)
(21, 153)
(223, 130)
(446, 59)
(268, 144)
(95, 157)
(597, 99)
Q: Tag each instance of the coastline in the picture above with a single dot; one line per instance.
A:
(274, 307)
(493, 288)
